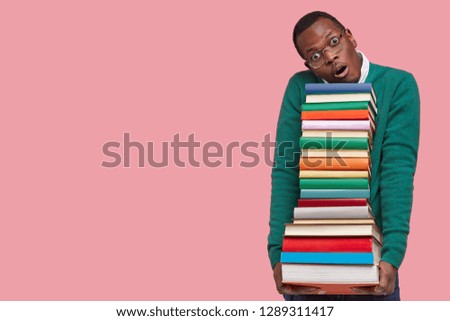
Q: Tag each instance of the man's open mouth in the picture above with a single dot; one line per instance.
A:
(341, 71)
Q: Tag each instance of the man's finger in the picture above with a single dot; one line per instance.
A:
(296, 290)
(368, 290)
(381, 287)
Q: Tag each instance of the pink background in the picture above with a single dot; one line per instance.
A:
(76, 74)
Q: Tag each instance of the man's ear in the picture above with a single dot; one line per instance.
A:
(306, 64)
(351, 38)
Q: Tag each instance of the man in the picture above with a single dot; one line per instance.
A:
(329, 51)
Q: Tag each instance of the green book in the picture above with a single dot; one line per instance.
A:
(334, 183)
(335, 143)
(350, 105)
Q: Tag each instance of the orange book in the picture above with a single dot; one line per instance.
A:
(331, 163)
(336, 114)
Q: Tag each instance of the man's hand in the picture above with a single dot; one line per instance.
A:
(290, 289)
(388, 276)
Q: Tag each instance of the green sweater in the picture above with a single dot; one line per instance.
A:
(393, 158)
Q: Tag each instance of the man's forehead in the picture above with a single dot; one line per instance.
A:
(315, 36)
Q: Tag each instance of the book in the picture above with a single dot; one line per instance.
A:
(334, 153)
(334, 183)
(346, 230)
(319, 221)
(330, 278)
(346, 105)
(337, 125)
(334, 193)
(339, 88)
(337, 133)
(341, 163)
(333, 174)
(332, 202)
(360, 114)
(340, 97)
(335, 143)
(322, 212)
(330, 258)
(329, 244)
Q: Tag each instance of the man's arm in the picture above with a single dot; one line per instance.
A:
(397, 169)
(398, 166)
(285, 183)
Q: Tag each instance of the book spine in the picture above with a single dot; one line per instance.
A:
(327, 258)
(334, 193)
(333, 174)
(336, 125)
(327, 244)
(343, 163)
(334, 183)
(338, 88)
(327, 273)
(347, 105)
(331, 202)
(339, 114)
(334, 153)
(328, 98)
(360, 143)
(336, 133)
(332, 212)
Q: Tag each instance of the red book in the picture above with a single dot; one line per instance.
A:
(329, 244)
(312, 202)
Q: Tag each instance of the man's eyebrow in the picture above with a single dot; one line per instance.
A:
(313, 48)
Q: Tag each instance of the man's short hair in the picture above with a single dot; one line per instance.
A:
(307, 20)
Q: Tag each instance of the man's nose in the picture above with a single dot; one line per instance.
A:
(329, 56)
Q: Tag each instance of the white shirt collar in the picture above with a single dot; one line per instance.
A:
(364, 68)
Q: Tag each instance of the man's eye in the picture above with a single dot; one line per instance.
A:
(334, 41)
(315, 57)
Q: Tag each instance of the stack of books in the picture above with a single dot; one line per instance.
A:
(334, 242)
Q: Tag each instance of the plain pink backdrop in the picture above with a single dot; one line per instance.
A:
(76, 74)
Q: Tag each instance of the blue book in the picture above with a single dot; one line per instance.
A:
(327, 258)
(334, 193)
(338, 88)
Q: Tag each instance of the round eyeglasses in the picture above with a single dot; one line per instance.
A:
(335, 45)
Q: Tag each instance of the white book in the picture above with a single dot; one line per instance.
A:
(332, 212)
(336, 124)
(332, 230)
(335, 221)
(336, 133)
(329, 274)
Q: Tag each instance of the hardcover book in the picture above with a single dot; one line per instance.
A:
(346, 230)
(332, 202)
(333, 212)
(331, 278)
(330, 258)
(329, 244)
